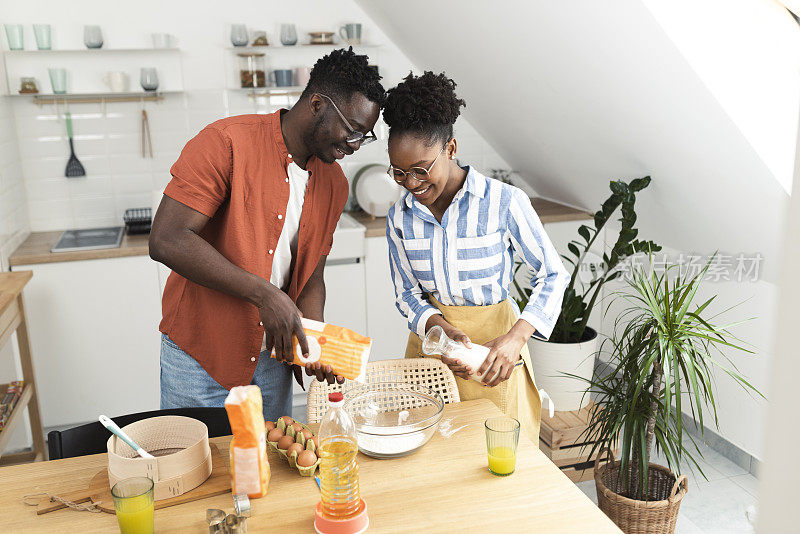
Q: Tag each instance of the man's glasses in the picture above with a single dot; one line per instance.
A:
(414, 173)
(355, 136)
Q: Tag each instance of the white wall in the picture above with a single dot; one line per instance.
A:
(750, 66)
(776, 491)
(574, 94)
(108, 138)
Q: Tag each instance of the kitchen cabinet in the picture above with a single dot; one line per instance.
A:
(385, 325)
(94, 337)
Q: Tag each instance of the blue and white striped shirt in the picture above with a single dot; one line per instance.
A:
(468, 258)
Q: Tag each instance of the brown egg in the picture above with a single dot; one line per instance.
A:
(284, 442)
(287, 420)
(294, 447)
(306, 459)
(275, 434)
(315, 439)
(297, 427)
(269, 425)
(307, 433)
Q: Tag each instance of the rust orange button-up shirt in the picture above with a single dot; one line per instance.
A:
(234, 171)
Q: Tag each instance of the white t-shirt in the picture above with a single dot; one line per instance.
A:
(287, 242)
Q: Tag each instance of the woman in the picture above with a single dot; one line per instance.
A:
(452, 240)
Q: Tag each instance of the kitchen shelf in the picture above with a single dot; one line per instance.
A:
(268, 91)
(88, 51)
(86, 68)
(92, 98)
(12, 319)
(270, 48)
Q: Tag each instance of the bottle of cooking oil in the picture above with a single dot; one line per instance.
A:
(339, 467)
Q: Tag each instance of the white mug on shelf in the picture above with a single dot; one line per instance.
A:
(117, 82)
(164, 40)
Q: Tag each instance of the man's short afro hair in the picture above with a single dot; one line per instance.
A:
(342, 73)
(425, 105)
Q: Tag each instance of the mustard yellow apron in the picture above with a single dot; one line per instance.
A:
(516, 397)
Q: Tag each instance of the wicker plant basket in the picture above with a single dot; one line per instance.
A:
(657, 515)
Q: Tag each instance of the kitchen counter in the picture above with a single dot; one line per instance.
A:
(443, 487)
(36, 249)
(548, 211)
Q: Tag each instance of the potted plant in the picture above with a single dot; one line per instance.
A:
(661, 355)
(573, 344)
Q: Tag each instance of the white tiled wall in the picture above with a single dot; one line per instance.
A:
(13, 208)
(108, 143)
(108, 139)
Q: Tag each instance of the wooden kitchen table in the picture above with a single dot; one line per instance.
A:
(444, 487)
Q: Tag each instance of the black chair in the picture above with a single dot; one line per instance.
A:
(91, 438)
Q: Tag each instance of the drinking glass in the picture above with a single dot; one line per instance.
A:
(133, 502)
(14, 36)
(58, 80)
(149, 79)
(239, 35)
(92, 37)
(42, 33)
(288, 35)
(502, 436)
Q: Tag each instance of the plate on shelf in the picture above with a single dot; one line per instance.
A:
(375, 190)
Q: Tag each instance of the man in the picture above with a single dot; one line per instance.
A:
(245, 224)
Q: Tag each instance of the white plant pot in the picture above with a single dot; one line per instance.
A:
(552, 360)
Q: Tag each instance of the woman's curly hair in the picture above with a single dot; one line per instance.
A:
(342, 73)
(425, 105)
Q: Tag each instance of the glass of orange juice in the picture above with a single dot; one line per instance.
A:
(502, 436)
(133, 501)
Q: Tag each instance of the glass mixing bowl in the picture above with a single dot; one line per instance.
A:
(394, 419)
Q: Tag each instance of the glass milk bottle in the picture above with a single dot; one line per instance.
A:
(437, 342)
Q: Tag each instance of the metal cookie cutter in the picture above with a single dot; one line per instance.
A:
(216, 521)
(235, 524)
(241, 503)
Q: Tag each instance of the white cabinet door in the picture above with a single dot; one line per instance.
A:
(385, 325)
(345, 305)
(345, 301)
(94, 337)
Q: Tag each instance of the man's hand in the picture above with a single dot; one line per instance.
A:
(281, 321)
(312, 303)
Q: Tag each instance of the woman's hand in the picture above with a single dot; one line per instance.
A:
(456, 366)
(504, 353)
(503, 356)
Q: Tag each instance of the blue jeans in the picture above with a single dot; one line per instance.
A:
(185, 384)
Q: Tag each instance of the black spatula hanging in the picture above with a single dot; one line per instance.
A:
(74, 167)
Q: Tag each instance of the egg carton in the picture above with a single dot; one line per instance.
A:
(300, 437)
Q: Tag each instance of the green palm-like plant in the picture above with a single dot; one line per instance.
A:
(662, 353)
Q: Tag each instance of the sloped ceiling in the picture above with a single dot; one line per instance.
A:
(574, 94)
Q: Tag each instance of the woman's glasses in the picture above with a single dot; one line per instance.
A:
(414, 173)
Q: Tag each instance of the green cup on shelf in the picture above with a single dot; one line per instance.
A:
(14, 36)
(58, 79)
(42, 34)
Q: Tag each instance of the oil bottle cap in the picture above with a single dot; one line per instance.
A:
(336, 396)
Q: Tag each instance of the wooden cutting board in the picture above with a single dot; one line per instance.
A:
(218, 483)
